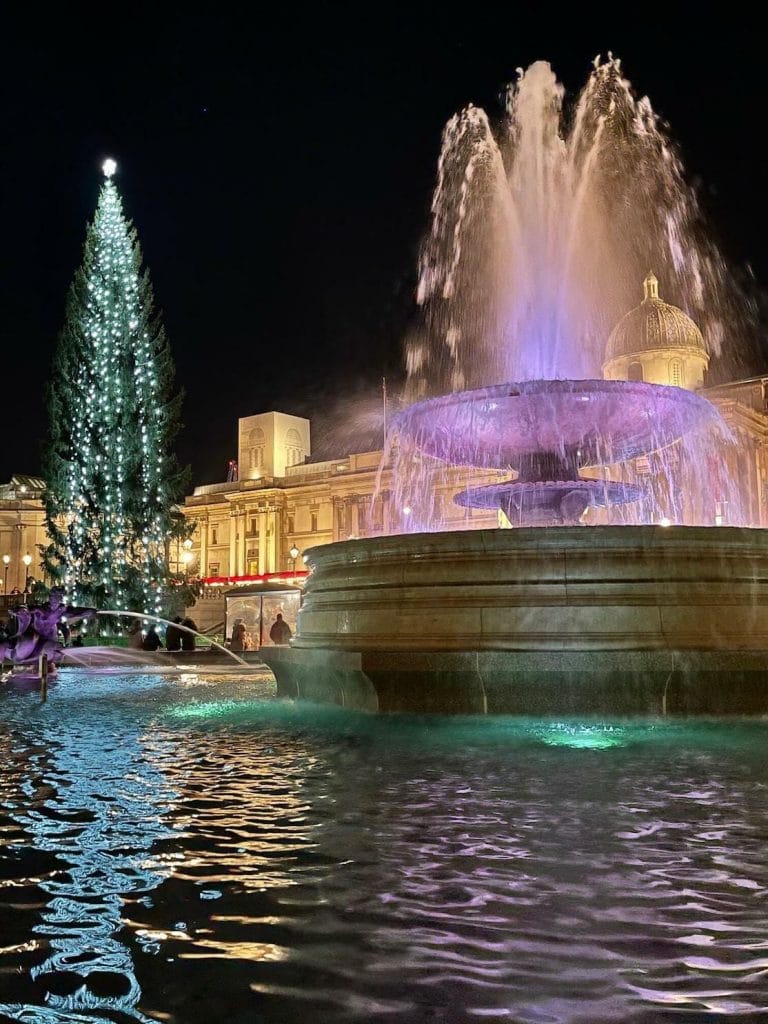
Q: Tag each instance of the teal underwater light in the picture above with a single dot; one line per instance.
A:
(585, 736)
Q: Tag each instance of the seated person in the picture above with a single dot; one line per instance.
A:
(188, 639)
(241, 638)
(173, 636)
(151, 641)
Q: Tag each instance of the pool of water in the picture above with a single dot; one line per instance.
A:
(194, 850)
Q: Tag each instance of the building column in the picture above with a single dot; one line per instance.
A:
(354, 515)
(385, 523)
(363, 516)
(21, 572)
(277, 541)
(232, 568)
(241, 542)
(263, 542)
(756, 465)
(202, 525)
(338, 519)
(761, 483)
(754, 483)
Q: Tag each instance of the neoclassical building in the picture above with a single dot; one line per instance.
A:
(22, 531)
(283, 501)
(659, 343)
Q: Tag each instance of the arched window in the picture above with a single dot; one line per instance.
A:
(255, 443)
(294, 450)
(676, 373)
(635, 371)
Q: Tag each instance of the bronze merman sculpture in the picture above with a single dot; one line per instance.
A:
(33, 630)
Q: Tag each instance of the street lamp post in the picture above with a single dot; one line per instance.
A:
(27, 560)
(6, 563)
(294, 554)
(187, 556)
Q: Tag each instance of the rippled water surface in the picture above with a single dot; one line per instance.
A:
(193, 850)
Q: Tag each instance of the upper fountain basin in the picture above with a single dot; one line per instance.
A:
(600, 421)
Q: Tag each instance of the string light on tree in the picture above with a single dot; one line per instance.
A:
(111, 473)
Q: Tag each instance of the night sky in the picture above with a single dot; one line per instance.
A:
(279, 170)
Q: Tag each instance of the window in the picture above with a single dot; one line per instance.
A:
(253, 526)
(214, 535)
(313, 522)
(676, 373)
(213, 568)
(255, 444)
(635, 371)
(294, 450)
(289, 525)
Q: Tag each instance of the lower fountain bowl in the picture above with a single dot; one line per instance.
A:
(563, 620)
(551, 502)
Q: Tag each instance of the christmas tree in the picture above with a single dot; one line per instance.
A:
(112, 477)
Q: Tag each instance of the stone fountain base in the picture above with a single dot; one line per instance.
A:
(563, 620)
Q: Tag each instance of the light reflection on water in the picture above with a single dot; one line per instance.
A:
(196, 850)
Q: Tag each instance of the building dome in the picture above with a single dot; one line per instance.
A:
(653, 325)
(658, 343)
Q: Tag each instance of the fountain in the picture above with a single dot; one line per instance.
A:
(549, 430)
(540, 231)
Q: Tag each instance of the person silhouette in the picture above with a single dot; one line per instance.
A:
(173, 636)
(280, 633)
(151, 641)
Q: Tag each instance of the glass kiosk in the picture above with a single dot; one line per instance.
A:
(257, 605)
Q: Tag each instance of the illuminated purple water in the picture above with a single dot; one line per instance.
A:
(548, 432)
(191, 853)
(599, 421)
(542, 229)
(544, 226)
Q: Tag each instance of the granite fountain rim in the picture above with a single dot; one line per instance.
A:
(500, 540)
